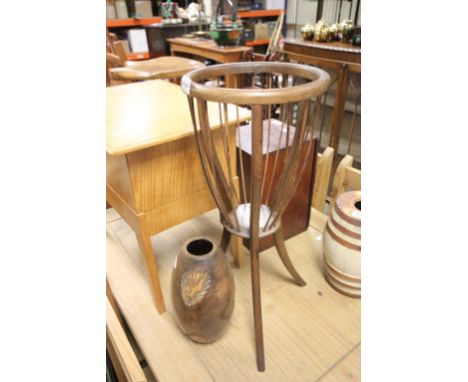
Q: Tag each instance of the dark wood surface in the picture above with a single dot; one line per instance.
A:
(208, 45)
(255, 187)
(295, 218)
(343, 57)
(336, 52)
(259, 215)
(200, 48)
(202, 290)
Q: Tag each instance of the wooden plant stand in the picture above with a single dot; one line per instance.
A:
(257, 214)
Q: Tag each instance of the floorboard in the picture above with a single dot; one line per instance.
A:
(309, 332)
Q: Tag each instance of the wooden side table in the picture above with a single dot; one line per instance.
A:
(208, 49)
(154, 178)
(345, 58)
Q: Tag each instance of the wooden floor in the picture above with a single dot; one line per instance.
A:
(311, 333)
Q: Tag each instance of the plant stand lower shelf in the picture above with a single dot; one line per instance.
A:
(311, 331)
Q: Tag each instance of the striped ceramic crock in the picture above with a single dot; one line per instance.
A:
(342, 245)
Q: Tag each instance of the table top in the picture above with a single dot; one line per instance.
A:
(336, 46)
(207, 44)
(150, 113)
(164, 25)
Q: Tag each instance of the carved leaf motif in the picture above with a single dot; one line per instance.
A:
(194, 286)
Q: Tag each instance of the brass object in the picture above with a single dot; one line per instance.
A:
(307, 32)
(322, 31)
(334, 35)
(347, 30)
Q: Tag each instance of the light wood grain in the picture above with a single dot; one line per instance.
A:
(347, 370)
(154, 177)
(164, 345)
(169, 172)
(111, 215)
(111, 300)
(122, 348)
(353, 178)
(151, 113)
(176, 212)
(322, 178)
(346, 178)
(118, 178)
(168, 67)
(318, 220)
(120, 205)
(307, 330)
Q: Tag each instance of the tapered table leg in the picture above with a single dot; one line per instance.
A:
(144, 241)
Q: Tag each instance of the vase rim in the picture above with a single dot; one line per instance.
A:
(211, 252)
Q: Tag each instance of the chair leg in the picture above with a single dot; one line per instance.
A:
(283, 254)
(257, 308)
(144, 241)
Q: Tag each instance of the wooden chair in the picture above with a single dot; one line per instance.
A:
(112, 61)
(253, 208)
(120, 69)
(346, 178)
(167, 67)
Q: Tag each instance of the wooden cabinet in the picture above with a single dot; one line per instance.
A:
(295, 219)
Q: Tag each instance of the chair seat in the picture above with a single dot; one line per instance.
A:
(156, 68)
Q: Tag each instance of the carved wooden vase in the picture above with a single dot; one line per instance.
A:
(342, 245)
(202, 290)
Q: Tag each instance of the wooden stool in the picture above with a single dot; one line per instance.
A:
(158, 68)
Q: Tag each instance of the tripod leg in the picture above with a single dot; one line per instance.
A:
(226, 238)
(283, 254)
(236, 246)
(256, 171)
(257, 307)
